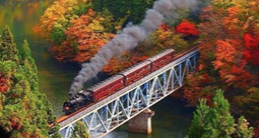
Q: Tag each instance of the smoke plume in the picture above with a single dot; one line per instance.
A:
(129, 37)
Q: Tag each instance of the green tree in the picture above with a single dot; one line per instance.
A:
(216, 121)
(8, 50)
(80, 131)
(221, 120)
(242, 129)
(200, 120)
(24, 111)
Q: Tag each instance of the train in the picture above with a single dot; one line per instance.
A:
(117, 82)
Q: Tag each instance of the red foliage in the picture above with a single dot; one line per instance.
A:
(250, 41)
(256, 132)
(196, 92)
(63, 53)
(4, 87)
(16, 125)
(251, 56)
(164, 27)
(188, 28)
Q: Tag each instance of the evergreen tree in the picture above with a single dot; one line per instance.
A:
(217, 122)
(200, 120)
(8, 50)
(222, 123)
(7, 35)
(24, 111)
(242, 129)
(80, 131)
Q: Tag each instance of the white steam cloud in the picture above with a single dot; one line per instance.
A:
(129, 37)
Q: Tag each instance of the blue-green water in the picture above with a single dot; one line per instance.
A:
(172, 118)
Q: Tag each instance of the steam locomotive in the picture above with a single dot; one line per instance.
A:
(117, 82)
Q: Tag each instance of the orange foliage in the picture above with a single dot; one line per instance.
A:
(84, 38)
(231, 21)
(231, 69)
(188, 28)
(4, 86)
(59, 14)
(226, 45)
(225, 51)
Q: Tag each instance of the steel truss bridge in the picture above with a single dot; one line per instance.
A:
(115, 110)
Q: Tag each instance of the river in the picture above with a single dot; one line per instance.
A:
(172, 118)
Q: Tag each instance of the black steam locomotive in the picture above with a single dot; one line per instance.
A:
(80, 100)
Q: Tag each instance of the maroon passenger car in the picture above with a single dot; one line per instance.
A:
(107, 87)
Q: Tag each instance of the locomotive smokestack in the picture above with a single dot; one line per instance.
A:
(129, 37)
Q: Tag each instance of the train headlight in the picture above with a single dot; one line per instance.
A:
(66, 108)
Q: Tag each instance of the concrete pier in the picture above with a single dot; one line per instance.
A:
(142, 123)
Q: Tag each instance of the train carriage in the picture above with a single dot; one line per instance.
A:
(107, 87)
(136, 72)
(161, 59)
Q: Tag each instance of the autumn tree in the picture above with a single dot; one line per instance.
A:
(228, 56)
(187, 28)
(56, 18)
(83, 39)
(76, 31)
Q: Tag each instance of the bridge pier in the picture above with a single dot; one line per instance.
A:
(142, 123)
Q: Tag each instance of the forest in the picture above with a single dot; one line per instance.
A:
(224, 89)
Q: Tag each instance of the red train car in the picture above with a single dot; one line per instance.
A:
(107, 87)
(136, 72)
(162, 59)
